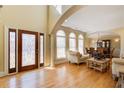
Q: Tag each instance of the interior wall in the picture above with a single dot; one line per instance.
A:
(32, 18)
(87, 42)
(1, 48)
(25, 17)
(53, 18)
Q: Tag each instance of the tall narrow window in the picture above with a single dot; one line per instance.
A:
(80, 44)
(61, 44)
(12, 51)
(41, 49)
(72, 42)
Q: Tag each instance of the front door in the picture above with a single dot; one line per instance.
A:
(27, 50)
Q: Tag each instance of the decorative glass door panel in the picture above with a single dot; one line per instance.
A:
(27, 50)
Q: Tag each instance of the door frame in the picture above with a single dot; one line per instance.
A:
(14, 69)
(20, 68)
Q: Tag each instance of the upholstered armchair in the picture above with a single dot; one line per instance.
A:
(117, 66)
(76, 57)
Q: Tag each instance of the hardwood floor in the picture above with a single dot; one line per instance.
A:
(62, 76)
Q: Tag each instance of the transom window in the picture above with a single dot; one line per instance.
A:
(72, 42)
(81, 44)
(61, 44)
(58, 8)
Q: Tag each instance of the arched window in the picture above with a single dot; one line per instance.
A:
(61, 44)
(81, 44)
(72, 42)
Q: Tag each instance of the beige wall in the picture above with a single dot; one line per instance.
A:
(32, 18)
(1, 48)
(87, 41)
(25, 17)
(53, 18)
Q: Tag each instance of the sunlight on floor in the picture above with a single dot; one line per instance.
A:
(50, 68)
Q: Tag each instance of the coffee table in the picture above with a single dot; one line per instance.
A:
(100, 65)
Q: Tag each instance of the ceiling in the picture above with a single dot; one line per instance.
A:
(103, 34)
(97, 18)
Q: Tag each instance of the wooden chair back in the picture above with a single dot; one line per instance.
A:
(111, 53)
(87, 51)
(100, 50)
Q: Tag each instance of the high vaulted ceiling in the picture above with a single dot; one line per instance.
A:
(97, 18)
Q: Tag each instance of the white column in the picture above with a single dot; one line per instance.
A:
(52, 50)
(67, 44)
(77, 42)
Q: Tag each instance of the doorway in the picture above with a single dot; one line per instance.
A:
(27, 50)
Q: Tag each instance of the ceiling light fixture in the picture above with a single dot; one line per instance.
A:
(66, 20)
(117, 39)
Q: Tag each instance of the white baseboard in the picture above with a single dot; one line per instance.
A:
(61, 61)
(2, 74)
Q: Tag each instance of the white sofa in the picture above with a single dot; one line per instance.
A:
(76, 57)
(117, 66)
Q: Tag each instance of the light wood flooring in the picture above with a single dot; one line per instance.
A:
(62, 76)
